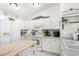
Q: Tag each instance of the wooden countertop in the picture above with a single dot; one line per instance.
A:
(15, 48)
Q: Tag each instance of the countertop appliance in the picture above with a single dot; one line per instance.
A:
(56, 34)
(46, 33)
(52, 32)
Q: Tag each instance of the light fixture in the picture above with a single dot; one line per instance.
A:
(36, 5)
(14, 4)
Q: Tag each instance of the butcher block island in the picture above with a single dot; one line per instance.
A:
(18, 48)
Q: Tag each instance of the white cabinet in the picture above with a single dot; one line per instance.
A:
(37, 24)
(46, 44)
(55, 23)
(47, 23)
(51, 23)
(54, 45)
(51, 44)
(34, 24)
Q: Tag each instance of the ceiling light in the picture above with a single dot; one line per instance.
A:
(36, 5)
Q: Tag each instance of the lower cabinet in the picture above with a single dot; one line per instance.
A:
(45, 44)
(54, 45)
(27, 52)
(51, 44)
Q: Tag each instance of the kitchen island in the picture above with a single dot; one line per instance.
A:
(69, 47)
(18, 48)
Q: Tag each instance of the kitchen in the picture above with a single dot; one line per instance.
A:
(39, 29)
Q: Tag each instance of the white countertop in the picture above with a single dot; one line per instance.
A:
(71, 46)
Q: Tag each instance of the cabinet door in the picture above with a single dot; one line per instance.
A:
(47, 23)
(54, 45)
(45, 44)
(55, 23)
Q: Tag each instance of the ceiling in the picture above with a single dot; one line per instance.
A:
(24, 10)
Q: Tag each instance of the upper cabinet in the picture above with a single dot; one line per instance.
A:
(34, 24)
(52, 23)
(47, 23)
(40, 24)
(37, 24)
(55, 23)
